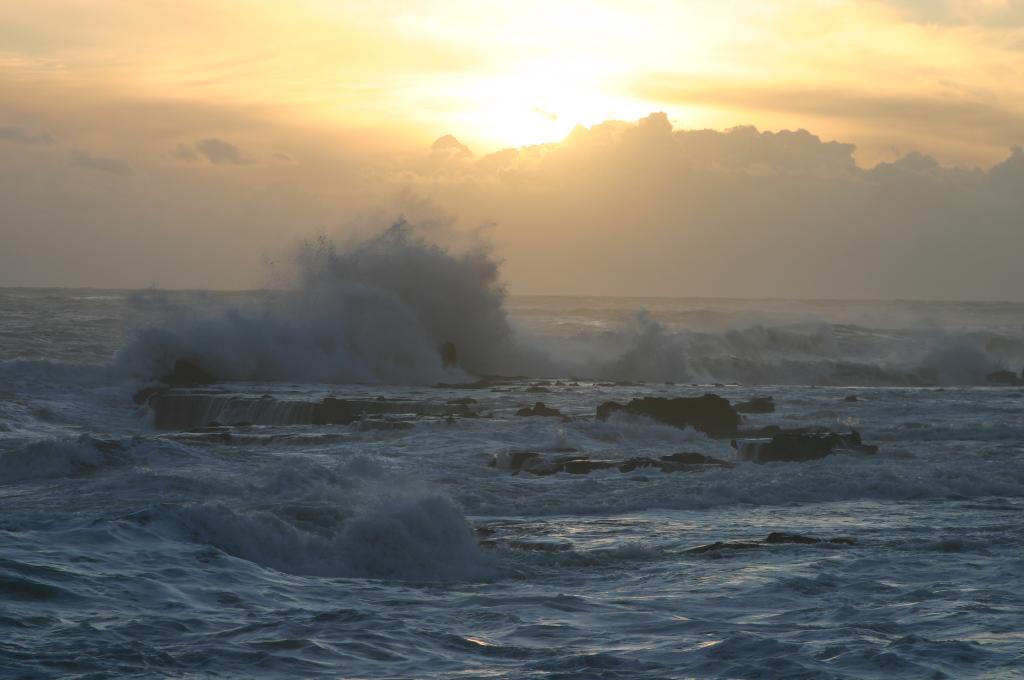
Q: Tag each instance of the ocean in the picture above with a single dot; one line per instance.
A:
(249, 531)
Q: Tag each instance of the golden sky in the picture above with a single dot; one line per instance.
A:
(181, 143)
(945, 77)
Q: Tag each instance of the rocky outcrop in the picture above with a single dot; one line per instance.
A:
(539, 410)
(710, 413)
(536, 464)
(780, 537)
(757, 405)
(182, 410)
(722, 548)
(1006, 378)
(185, 373)
(800, 446)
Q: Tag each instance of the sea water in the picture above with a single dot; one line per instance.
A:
(391, 548)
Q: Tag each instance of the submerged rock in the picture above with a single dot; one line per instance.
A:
(710, 413)
(800, 446)
(780, 537)
(539, 409)
(535, 464)
(181, 410)
(757, 405)
(773, 538)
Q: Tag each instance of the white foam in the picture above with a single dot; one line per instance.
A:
(375, 312)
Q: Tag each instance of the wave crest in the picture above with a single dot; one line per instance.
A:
(377, 311)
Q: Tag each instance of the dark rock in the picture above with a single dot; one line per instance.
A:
(537, 389)
(774, 538)
(449, 357)
(638, 463)
(146, 393)
(539, 409)
(605, 410)
(333, 411)
(1006, 378)
(465, 401)
(188, 374)
(695, 459)
(542, 468)
(583, 466)
(780, 537)
(851, 398)
(801, 446)
(757, 405)
(541, 545)
(516, 460)
(710, 413)
(769, 431)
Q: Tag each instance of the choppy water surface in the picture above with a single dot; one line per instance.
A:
(392, 549)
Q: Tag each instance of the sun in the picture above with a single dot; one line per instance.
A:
(537, 103)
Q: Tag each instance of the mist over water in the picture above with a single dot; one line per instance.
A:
(374, 311)
(378, 310)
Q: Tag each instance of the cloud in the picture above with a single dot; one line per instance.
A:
(214, 150)
(24, 136)
(643, 209)
(956, 122)
(219, 152)
(186, 153)
(998, 13)
(449, 148)
(84, 159)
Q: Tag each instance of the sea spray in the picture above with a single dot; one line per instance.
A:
(398, 308)
(377, 311)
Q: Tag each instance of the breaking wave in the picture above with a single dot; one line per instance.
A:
(377, 312)
(810, 353)
(381, 310)
(420, 539)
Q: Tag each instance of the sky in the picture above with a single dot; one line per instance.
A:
(785, 148)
